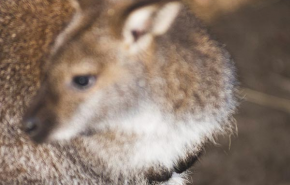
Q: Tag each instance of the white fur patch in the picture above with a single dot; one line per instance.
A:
(159, 138)
(165, 17)
(162, 140)
(66, 133)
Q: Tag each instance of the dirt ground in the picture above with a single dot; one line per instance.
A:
(258, 37)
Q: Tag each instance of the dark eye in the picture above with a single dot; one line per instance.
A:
(82, 82)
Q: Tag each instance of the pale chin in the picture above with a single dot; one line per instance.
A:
(65, 134)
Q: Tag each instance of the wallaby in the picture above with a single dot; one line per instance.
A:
(27, 29)
(132, 92)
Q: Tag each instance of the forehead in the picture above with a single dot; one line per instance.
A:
(91, 48)
(91, 41)
(85, 31)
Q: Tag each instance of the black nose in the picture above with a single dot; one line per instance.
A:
(37, 128)
(31, 126)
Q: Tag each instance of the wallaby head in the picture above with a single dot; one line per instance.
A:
(140, 76)
(100, 73)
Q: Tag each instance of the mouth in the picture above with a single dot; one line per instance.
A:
(39, 139)
(88, 133)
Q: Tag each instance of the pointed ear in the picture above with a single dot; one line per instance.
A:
(145, 21)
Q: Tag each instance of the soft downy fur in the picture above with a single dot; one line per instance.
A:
(158, 98)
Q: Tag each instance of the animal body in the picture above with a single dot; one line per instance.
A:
(131, 92)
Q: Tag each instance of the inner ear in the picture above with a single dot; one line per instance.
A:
(137, 34)
(139, 23)
(142, 22)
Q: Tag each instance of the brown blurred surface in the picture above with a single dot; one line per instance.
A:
(258, 37)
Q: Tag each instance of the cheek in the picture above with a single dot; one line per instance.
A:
(75, 114)
(67, 107)
(80, 111)
(70, 123)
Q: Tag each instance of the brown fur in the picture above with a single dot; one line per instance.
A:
(28, 29)
(196, 73)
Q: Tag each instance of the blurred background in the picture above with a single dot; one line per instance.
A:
(257, 34)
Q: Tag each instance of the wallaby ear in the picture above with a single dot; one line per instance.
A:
(86, 10)
(81, 5)
(145, 21)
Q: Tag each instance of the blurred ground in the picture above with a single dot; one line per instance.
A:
(258, 37)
